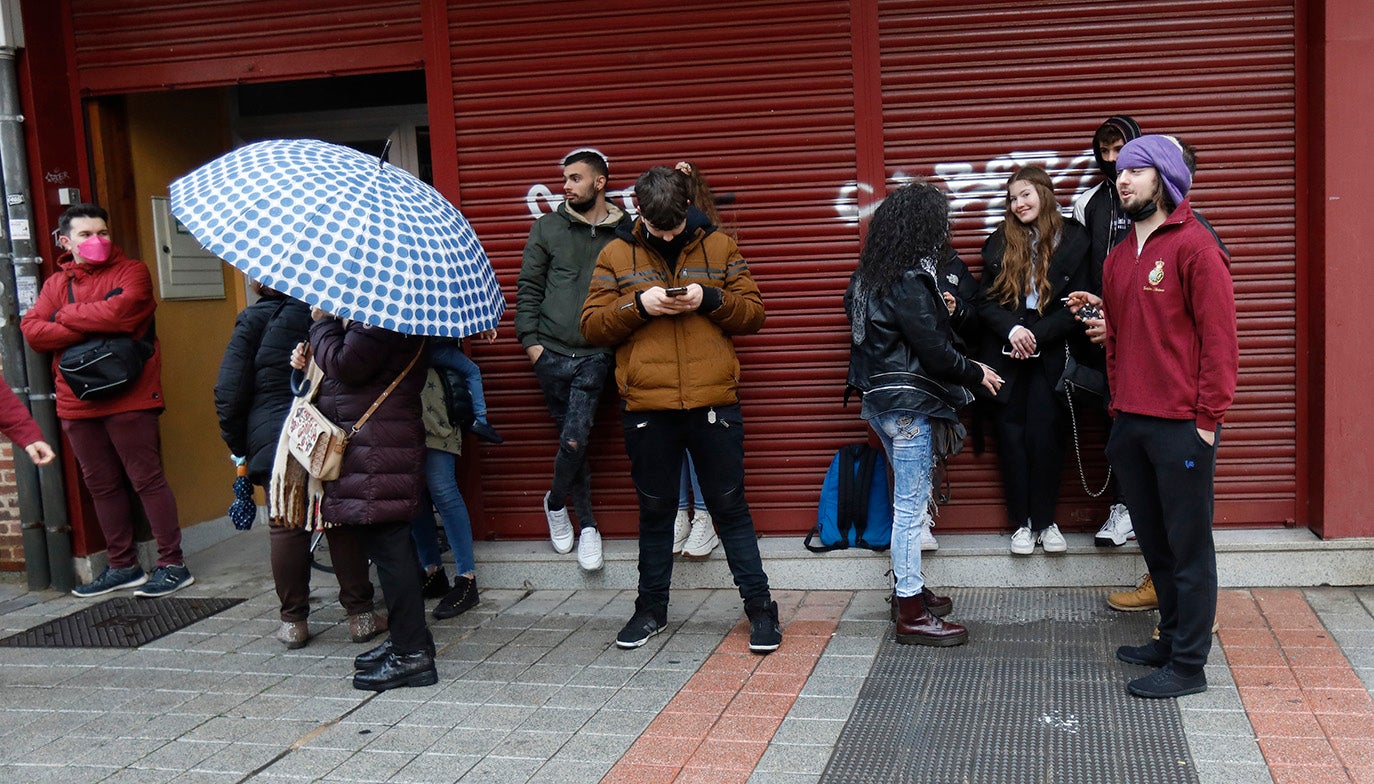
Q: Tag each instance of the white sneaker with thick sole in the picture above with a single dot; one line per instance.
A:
(703, 538)
(560, 528)
(928, 543)
(1023, 541)
(682, 528)
(1117, 530)
(1052, 540)
(589, 549)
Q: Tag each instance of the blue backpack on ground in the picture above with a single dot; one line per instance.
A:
(856, 506)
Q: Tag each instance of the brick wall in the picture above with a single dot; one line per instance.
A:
(11, 537)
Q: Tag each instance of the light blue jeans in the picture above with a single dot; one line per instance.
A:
(907, 442)
(443, 489)
(689, 493)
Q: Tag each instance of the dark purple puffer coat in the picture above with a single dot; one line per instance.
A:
(383, 467)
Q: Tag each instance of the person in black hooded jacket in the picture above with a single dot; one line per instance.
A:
(252, 398)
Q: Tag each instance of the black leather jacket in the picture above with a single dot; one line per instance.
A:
(907, 360)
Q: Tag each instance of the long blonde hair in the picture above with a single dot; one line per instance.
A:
(1013, 284)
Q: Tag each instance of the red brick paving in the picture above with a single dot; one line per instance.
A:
(1311, 713)
(715, 730)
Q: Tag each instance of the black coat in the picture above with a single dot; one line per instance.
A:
(955, 279)
(1069, 271)
(906, 360)
(253, 391)
(383, 467)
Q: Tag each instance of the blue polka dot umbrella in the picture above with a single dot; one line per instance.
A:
(345, 232)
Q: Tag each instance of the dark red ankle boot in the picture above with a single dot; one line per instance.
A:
(916, 625)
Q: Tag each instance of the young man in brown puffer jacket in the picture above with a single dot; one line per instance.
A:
(669, 292)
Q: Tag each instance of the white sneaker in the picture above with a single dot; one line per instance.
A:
(1117, 530)
(1052, 540)
(703, 538)
(928, 543)
(1023, 541)
(589, 549)
(560, 528)
(682, 528)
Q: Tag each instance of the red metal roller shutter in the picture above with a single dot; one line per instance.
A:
(760, 95)
(216, 42)
(970, 88)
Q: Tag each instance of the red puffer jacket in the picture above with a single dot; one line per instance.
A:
(114, 297)
(383, 467)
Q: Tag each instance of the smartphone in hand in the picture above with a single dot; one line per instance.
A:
(675, 291)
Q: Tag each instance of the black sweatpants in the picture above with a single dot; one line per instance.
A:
(1167, 472)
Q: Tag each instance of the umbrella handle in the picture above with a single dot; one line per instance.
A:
(300, 385)
(242, 469)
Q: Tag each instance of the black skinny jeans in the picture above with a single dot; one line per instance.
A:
(655, 441)
(1030, 445)
(572, 389)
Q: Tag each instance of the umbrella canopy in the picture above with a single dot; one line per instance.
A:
(345, 232)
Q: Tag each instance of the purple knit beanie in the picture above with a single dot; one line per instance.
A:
(1163, 154)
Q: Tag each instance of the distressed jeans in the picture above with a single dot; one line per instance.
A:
(572, 389)
(907, 442)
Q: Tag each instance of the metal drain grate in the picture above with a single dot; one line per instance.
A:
(118, 623)
(1037, 696)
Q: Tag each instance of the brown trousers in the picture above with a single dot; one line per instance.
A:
(291, 571)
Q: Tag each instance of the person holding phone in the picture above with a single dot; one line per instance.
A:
(1033, 260)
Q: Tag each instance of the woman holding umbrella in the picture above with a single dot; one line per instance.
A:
(374, 498)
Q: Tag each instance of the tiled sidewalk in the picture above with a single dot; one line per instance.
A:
(533, 690)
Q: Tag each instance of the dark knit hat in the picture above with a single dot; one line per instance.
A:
(1164, 154)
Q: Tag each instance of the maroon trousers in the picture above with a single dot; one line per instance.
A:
(110, 448)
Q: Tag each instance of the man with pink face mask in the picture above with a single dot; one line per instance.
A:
(97, 291)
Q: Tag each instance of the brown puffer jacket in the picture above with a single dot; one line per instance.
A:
(383, 467)
(673, 362)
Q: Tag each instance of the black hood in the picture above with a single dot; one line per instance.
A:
(1129, 130)
(629, 230)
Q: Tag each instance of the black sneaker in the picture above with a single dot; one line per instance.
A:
(643, 625)
(166, 580)
(112, 580)
(462, 598)
(1167, 682)
(765, 633)
(1148, 655)
(487, 433)
(435, 584)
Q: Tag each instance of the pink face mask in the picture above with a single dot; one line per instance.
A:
(94, 249)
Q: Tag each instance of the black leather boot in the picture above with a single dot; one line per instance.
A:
(369, 660)
(398, 669)
(916, 625)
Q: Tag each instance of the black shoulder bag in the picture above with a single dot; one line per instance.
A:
(105, 366)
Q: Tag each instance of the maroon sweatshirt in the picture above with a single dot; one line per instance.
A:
(15, 421)
(1171, 344)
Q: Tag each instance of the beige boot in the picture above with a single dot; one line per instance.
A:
(1142, 598)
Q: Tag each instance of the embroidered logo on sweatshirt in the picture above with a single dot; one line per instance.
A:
(1156, 276)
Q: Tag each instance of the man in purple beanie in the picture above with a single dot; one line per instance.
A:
(1172, 356)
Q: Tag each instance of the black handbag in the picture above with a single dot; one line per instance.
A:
(1080, 384)
(104, 366)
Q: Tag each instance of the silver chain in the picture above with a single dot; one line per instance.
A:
(1078, 449)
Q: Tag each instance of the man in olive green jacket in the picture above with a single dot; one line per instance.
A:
(559, 258)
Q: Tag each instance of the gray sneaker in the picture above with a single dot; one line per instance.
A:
(112, 580)
(166, 580)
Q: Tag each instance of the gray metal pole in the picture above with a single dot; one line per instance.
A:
(21, 291)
